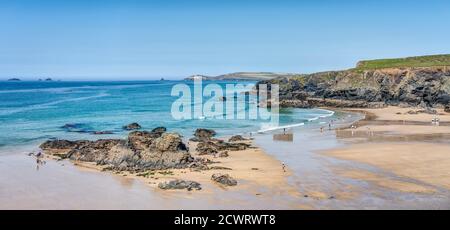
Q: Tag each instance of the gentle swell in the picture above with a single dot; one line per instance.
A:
(9, 111)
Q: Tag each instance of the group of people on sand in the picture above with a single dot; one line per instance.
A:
(330, 124)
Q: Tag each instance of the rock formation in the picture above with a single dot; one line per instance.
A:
(223, 179)
(213, 146)
(203, 134)
(140, 151)
(132, 126)
(418, 86)
(180, 184)
(236, 138)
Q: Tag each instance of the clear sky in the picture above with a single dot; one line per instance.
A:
(129, 40)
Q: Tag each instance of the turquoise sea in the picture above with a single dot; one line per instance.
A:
(32, 112)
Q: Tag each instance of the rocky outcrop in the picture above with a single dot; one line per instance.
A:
(420, 86)
(447, 109)
(180, 184)
(213, 146)
(159, 130)
(236, 138)
(132, 126)
(224, 179)
(223, 154)
(140, 151)
(203, 134)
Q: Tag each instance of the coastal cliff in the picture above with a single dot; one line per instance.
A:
(417, 81)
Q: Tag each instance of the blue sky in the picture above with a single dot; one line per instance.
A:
(127, 40)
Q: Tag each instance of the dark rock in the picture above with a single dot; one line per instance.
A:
(447, 109)
(213, 146)
(142, 150)
(102, 132)
(207, 148)
(160, 130)
(60, 144)
(223, 154)
(236, 138)
(77, 128)
(199, 166)
(132, 126)
(204, 134)
(224, 179)
(180, 184)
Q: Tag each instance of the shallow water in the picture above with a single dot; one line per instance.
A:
(317, 173)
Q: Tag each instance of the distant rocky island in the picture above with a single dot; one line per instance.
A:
(14, 79)
(414, 81)
(240, 76)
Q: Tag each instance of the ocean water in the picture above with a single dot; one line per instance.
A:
(32, 112)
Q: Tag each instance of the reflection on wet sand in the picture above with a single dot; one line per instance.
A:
(372, 136)
(288, 137)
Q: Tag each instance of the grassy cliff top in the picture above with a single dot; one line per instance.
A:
(420, 61)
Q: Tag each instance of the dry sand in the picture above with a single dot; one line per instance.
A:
(252, 168)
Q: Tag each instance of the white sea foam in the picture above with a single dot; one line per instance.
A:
(319, 116)
(273, 128)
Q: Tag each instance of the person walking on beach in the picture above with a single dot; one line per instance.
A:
(283, 166)
(284, 131)
(329, 126)
(321, 129)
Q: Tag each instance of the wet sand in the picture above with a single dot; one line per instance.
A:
(413, 158)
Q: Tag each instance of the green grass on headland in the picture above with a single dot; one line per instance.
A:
(420, 61)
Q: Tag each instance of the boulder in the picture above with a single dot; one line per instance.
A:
(203, 134)
(236, 138)
(77, 128)
(132, 126)
(223, 154)
(223, 179)
(169, 142)
(447, 109)
(160, 130)
(180, 184)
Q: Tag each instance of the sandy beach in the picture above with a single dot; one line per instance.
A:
(408, 147)
(389, 160)
(64, 184)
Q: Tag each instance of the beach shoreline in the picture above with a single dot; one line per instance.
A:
(311, 178)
